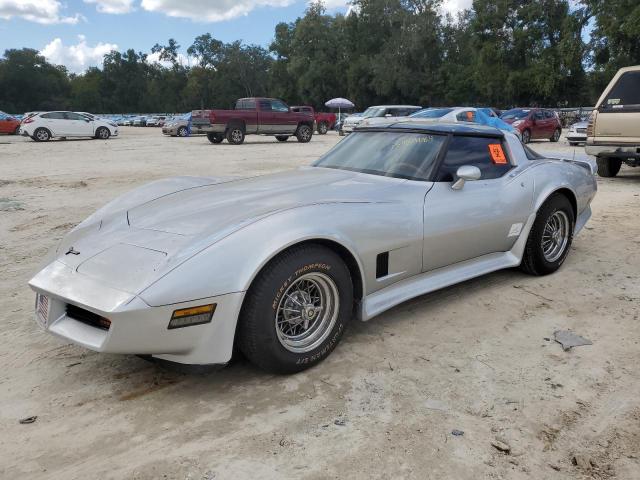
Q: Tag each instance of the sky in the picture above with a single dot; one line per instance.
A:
(77, 33)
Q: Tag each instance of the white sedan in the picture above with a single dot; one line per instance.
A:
(44, 126)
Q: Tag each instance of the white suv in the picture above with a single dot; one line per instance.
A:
(43, 126)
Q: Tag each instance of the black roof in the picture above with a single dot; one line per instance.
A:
(430, 126)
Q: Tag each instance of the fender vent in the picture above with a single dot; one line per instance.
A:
(382, 265)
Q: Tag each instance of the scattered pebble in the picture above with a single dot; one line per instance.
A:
(457, 433)
(501, 446)
(340, 422)
(25, 421)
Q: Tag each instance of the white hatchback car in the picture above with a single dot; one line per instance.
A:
(43, 126)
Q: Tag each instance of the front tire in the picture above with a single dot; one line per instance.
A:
(215, 138)
(41, 135)
(550, 237)
(183, 131)
(103, 133)
(526, 136)
(556, 135)
(608, 166)
(304, 133)
(296, 310)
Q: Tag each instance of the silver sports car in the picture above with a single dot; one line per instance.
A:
(183, 269)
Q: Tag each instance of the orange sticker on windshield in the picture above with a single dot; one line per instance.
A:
(497, 154)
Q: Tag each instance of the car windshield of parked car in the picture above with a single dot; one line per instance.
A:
(373, 112)
(515, 114)
(431, 113)
(391, 154)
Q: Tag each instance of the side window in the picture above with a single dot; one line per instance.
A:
(246, 104)
(278, 106)
(485, 153)
(53, 115)
(548, 114)
(625, 92)
(538, 115)
(265, 105)
(468, 116)
(73, 116)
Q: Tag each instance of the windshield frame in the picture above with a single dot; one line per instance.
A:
(525, 111)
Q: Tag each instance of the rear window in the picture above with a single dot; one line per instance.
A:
(246, 104)
(515, 114)
(626, 92)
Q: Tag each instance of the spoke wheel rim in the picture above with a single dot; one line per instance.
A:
(236, 135)
(42, 135)
(556, 135)
(307, 312)
(104, 134)
(555, 236)
(304, 133)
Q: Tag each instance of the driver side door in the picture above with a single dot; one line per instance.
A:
(484, 216)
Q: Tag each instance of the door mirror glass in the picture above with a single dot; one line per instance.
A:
(466, 173)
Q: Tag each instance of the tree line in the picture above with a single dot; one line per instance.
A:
(498, 53)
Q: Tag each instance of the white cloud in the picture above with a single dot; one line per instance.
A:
(182, 60)
(209, 10)
(335, 3)
(77, 58)
(455, 6)
(112, 6)
(39, 11)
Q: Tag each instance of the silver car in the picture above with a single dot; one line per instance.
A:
(378, 111)
(577, 133)
(278, 265)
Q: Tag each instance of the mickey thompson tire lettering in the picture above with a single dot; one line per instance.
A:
(257, 331)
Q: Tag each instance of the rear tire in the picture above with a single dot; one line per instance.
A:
(17, 130)
(41, 135)
(550, 237)
(296, 310)
(608, 166)
(235, 135)
(556, 135)
(304, 133)
(323, 128)
(282, 138)
(215, 138)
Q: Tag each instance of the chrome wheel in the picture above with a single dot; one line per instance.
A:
(236, 135)
(307, 312)
(526, 136)
(103, 134)
(555, 236)
(42, 135)
(305, 134)
(556, 135)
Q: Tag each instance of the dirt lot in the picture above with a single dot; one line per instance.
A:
(478, 357)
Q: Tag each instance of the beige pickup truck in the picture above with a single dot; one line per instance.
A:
(613, 132)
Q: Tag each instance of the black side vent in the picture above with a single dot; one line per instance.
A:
(87, 317)
(382, 265)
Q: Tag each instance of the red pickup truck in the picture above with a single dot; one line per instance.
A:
(324, 121)
(261, 116)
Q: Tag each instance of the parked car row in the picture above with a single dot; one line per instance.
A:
(9, 123)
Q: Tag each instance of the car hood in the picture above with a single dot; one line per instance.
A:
(129, 248)
(212, 208)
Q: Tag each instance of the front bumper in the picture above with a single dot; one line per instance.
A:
(169, 130)
(136, 327)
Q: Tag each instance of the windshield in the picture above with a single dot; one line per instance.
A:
(390, 154)
(515, 114)
(431, 113)
(373, 112)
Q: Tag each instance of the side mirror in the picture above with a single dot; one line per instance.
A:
(466, 173)
(387, 115)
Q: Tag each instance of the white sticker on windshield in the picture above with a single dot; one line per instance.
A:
(515, 230)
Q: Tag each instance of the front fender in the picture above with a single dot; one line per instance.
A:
(232, 263)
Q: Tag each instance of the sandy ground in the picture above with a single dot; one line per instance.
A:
(475, 357)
